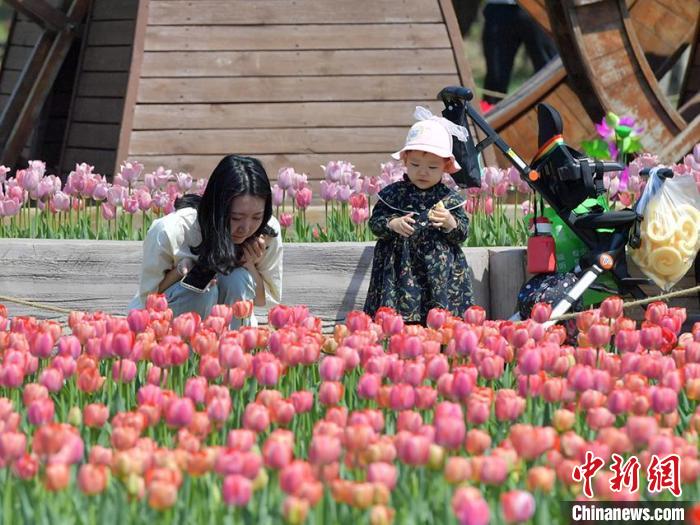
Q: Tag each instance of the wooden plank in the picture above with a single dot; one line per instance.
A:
(107, 58)
(102, 84)
(245, 12)
(41, 13)
(132, 87)
(201, 166)
(8, 81)
(538, 11)
(331, 279)
(291, 140)
(297, 37)
(115, 9)
(291, 89)
(296, 63)
(111, 33)
(104, 110)
(103, 136)
(25, 33)
(102, 159)
(16, 57)
(278, 115)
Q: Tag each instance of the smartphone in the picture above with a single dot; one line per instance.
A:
(197, 279)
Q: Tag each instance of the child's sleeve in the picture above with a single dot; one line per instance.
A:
(379, 221)
(461, 232)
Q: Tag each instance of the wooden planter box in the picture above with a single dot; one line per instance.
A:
(330, 278)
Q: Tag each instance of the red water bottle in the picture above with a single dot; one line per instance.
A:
(541, 252)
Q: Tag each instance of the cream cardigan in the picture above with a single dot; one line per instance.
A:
(169, 240)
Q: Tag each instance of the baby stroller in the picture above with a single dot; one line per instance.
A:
(564, 178)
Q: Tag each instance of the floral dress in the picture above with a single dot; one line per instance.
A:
(425, 270)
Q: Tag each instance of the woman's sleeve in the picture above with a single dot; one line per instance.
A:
(379, 221)
(270, 269)
(157, 259)
(461, 232)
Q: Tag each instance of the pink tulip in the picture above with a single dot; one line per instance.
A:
(384, 473)
(414, 450)
(494, 470)
(641, 429)
(450, 432)
(541, 312)
(12, 446)
(40, 412)
(330, 393)
(475, 315)
(663, 400)
(123, 371)
(331, 368)
(277, 453)
(241, 439)
(302, 400)
(324, 450)
(650, 337)
(179, 412)
(600, 417)
(256, 417)
(237, 490)
(52, 379)
(599, 334)
(402, 397)
(518, 506)
(92, 479)
(457, 470)
(470, 507)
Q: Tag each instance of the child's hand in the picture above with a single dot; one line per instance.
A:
(440, 217)
(402, 225)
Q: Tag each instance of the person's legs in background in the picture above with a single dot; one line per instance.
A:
(236, 286)
(181, 300)
(539, 46)
(501, 41)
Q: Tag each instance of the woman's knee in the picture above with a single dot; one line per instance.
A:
(182, 300)
(237, 285)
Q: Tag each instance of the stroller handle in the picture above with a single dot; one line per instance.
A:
(455, 92)
(664, 173)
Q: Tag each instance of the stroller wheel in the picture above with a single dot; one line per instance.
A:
(546, 288)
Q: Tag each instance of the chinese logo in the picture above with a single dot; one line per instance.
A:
(662, 474)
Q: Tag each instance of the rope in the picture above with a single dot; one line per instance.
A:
(492, 92)
(35, 305)
(668, 295)
(564, 317)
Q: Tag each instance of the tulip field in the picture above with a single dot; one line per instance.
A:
(155, 419)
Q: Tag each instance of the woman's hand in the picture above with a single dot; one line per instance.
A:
(402, 225)
(253, 251)
(442, 218)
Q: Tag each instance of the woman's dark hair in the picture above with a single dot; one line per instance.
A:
(235, 175)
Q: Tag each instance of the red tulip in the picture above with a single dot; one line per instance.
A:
(242, 309)
(56, 477)
(95, 415)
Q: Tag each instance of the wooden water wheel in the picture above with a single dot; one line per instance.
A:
(616, 52)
